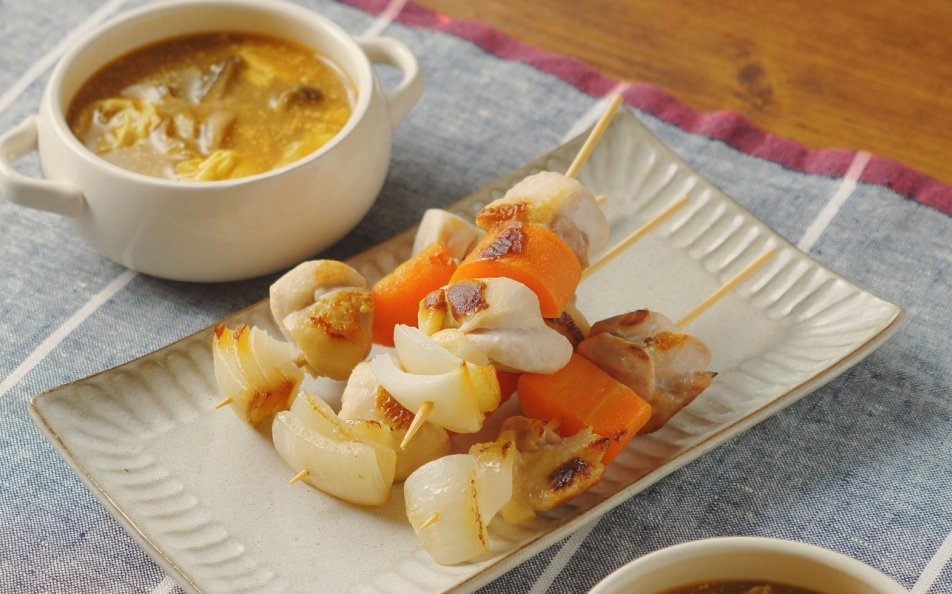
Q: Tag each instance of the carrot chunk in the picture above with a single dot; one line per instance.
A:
(530, 254)
(581, 395)
(508, 382)
(397, 296)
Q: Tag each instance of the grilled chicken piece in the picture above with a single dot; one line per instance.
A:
(561, 204)
(453, 232)
(500, 316)
(326, 309)
(571, 324)
(552, 469)
(644, 351)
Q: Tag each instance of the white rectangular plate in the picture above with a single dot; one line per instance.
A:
(208, 497)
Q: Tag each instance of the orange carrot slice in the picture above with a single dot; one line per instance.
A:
(581, 395)
(530, 254)
(397, 296)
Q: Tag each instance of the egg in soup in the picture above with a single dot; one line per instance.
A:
(212, 106)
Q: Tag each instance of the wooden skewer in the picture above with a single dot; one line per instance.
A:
(298, 476)
(634, 236)
(224, 402)
(431, 520)
(726, 288)
(593, 137)
(418, 419)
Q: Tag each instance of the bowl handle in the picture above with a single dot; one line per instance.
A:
(384, 50)
(42, 194)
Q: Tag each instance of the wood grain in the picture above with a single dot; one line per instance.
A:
(875, 76)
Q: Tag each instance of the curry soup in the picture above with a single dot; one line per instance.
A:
(739, 587)
(211, 106)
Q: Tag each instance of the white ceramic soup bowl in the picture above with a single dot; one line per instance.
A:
(747, 558)
(218, 230)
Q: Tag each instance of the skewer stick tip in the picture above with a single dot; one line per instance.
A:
(298, 476)
(224, 402)
(593, 137)
(418, 421)
(431, 520)
(634, 236)
(727, 287)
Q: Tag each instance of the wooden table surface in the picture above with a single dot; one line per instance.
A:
(873, 75)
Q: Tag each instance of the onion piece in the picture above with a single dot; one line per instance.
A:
(256, 372)
(451, 501)
(460, 397)
(442, 506)
(365, 400)
(496, 462)
(457, 343)
(418, 354)
(352, 460)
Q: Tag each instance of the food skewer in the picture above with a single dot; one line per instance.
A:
(726, 288)
(593, 137)
(586, 222)
(300, 475)
(418, 419)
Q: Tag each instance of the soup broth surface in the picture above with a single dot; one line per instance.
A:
(739, 587)
(212, 106)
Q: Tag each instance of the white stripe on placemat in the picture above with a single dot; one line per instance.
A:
(591, 116)
(385, 17)
(166, 586)
(43, 64)
(934, 567)
(561, 559)
(54, 339)
(823, 220)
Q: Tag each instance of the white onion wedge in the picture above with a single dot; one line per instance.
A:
(451, 501)
(318, 416)
(460, 397)
(457, 343)
(338, 456)
(364, 398)
(496, 462)
(254, 372)
(419, 354)
(442, 506)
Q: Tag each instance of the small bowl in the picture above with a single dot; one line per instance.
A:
(747, 558)
(219, 230)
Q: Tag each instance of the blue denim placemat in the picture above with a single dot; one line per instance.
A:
(862, 466)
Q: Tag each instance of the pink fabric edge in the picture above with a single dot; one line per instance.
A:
(729, 127)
